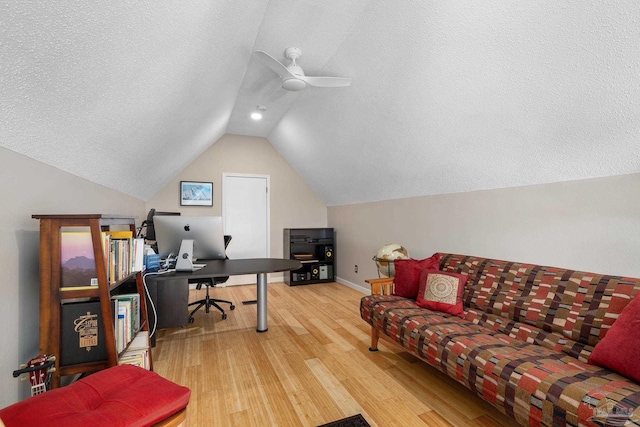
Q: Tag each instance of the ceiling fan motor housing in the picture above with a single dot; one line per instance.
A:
(293, 84)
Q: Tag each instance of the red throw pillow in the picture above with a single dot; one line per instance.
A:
(440, 291)
(407, 278)
(619, 350)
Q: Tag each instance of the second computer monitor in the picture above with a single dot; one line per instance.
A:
(205, 231)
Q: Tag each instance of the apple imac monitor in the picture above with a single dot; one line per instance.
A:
(151, 233)
(205, 231)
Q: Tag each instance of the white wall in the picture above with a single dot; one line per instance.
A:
(590, 225)
(30, 187)
(293, 203)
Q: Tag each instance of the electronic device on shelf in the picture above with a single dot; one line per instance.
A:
(315, 249)
(190, 237)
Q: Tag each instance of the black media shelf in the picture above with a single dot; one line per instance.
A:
(315, 249)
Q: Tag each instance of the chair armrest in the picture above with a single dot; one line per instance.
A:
(382, 286)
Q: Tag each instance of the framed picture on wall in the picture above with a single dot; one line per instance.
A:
(194, 193)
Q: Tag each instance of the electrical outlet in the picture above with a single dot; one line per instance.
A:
(356, 268)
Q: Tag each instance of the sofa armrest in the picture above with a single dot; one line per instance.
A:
(382, 286)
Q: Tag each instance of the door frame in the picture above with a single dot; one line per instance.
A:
(267, 207)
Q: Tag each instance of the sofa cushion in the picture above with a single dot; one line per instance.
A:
(123, 395)
(529, 334)
(619, 350)
(440, 291)
(578, 305)
(407, 277)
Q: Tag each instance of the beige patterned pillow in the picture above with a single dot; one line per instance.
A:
(442, 291)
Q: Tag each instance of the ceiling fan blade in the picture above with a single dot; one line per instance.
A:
(326, 81)
(274, 64)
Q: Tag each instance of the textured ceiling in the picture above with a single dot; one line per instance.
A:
(446, 96)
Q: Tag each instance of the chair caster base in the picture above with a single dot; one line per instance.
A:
(233, 307)
(191, 320)
(224, 316)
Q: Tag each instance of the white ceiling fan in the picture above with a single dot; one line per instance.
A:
(292, 75)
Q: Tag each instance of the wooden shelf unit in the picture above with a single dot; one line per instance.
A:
(53, 295)
(315, 249)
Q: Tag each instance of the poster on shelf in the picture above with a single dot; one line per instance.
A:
(77, 261)
(82, 333)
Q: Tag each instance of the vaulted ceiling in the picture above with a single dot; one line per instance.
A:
(446, 96)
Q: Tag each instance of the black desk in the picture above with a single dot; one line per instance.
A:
(230, 267)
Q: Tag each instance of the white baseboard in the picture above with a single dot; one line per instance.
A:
(363, 289)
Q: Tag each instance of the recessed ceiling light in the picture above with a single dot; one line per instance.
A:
(257, 115)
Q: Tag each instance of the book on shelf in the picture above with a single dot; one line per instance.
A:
(138, 352)
(124, 254)
(137, 358)
(126, 234)
(120, 314)
(141, 341)
(133, 304)
(82, 333)
(77, 261)
(127, 307)
(138, 254)
(106, 252)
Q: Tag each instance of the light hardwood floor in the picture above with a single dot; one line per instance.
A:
(312, 366)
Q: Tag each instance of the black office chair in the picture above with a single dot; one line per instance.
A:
(207, 302)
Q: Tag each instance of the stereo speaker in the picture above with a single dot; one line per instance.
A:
(325, 253)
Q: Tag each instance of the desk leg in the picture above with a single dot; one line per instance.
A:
(262, 302)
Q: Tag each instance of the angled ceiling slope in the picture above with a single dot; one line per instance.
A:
(445, 96)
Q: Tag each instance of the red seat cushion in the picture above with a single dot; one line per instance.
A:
(123, 395)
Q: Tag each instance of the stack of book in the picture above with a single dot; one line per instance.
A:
(138, 352)
(126, 312)
(123, 254)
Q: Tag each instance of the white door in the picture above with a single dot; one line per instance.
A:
(245, 213)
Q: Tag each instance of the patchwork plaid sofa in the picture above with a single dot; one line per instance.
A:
(524, 342)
